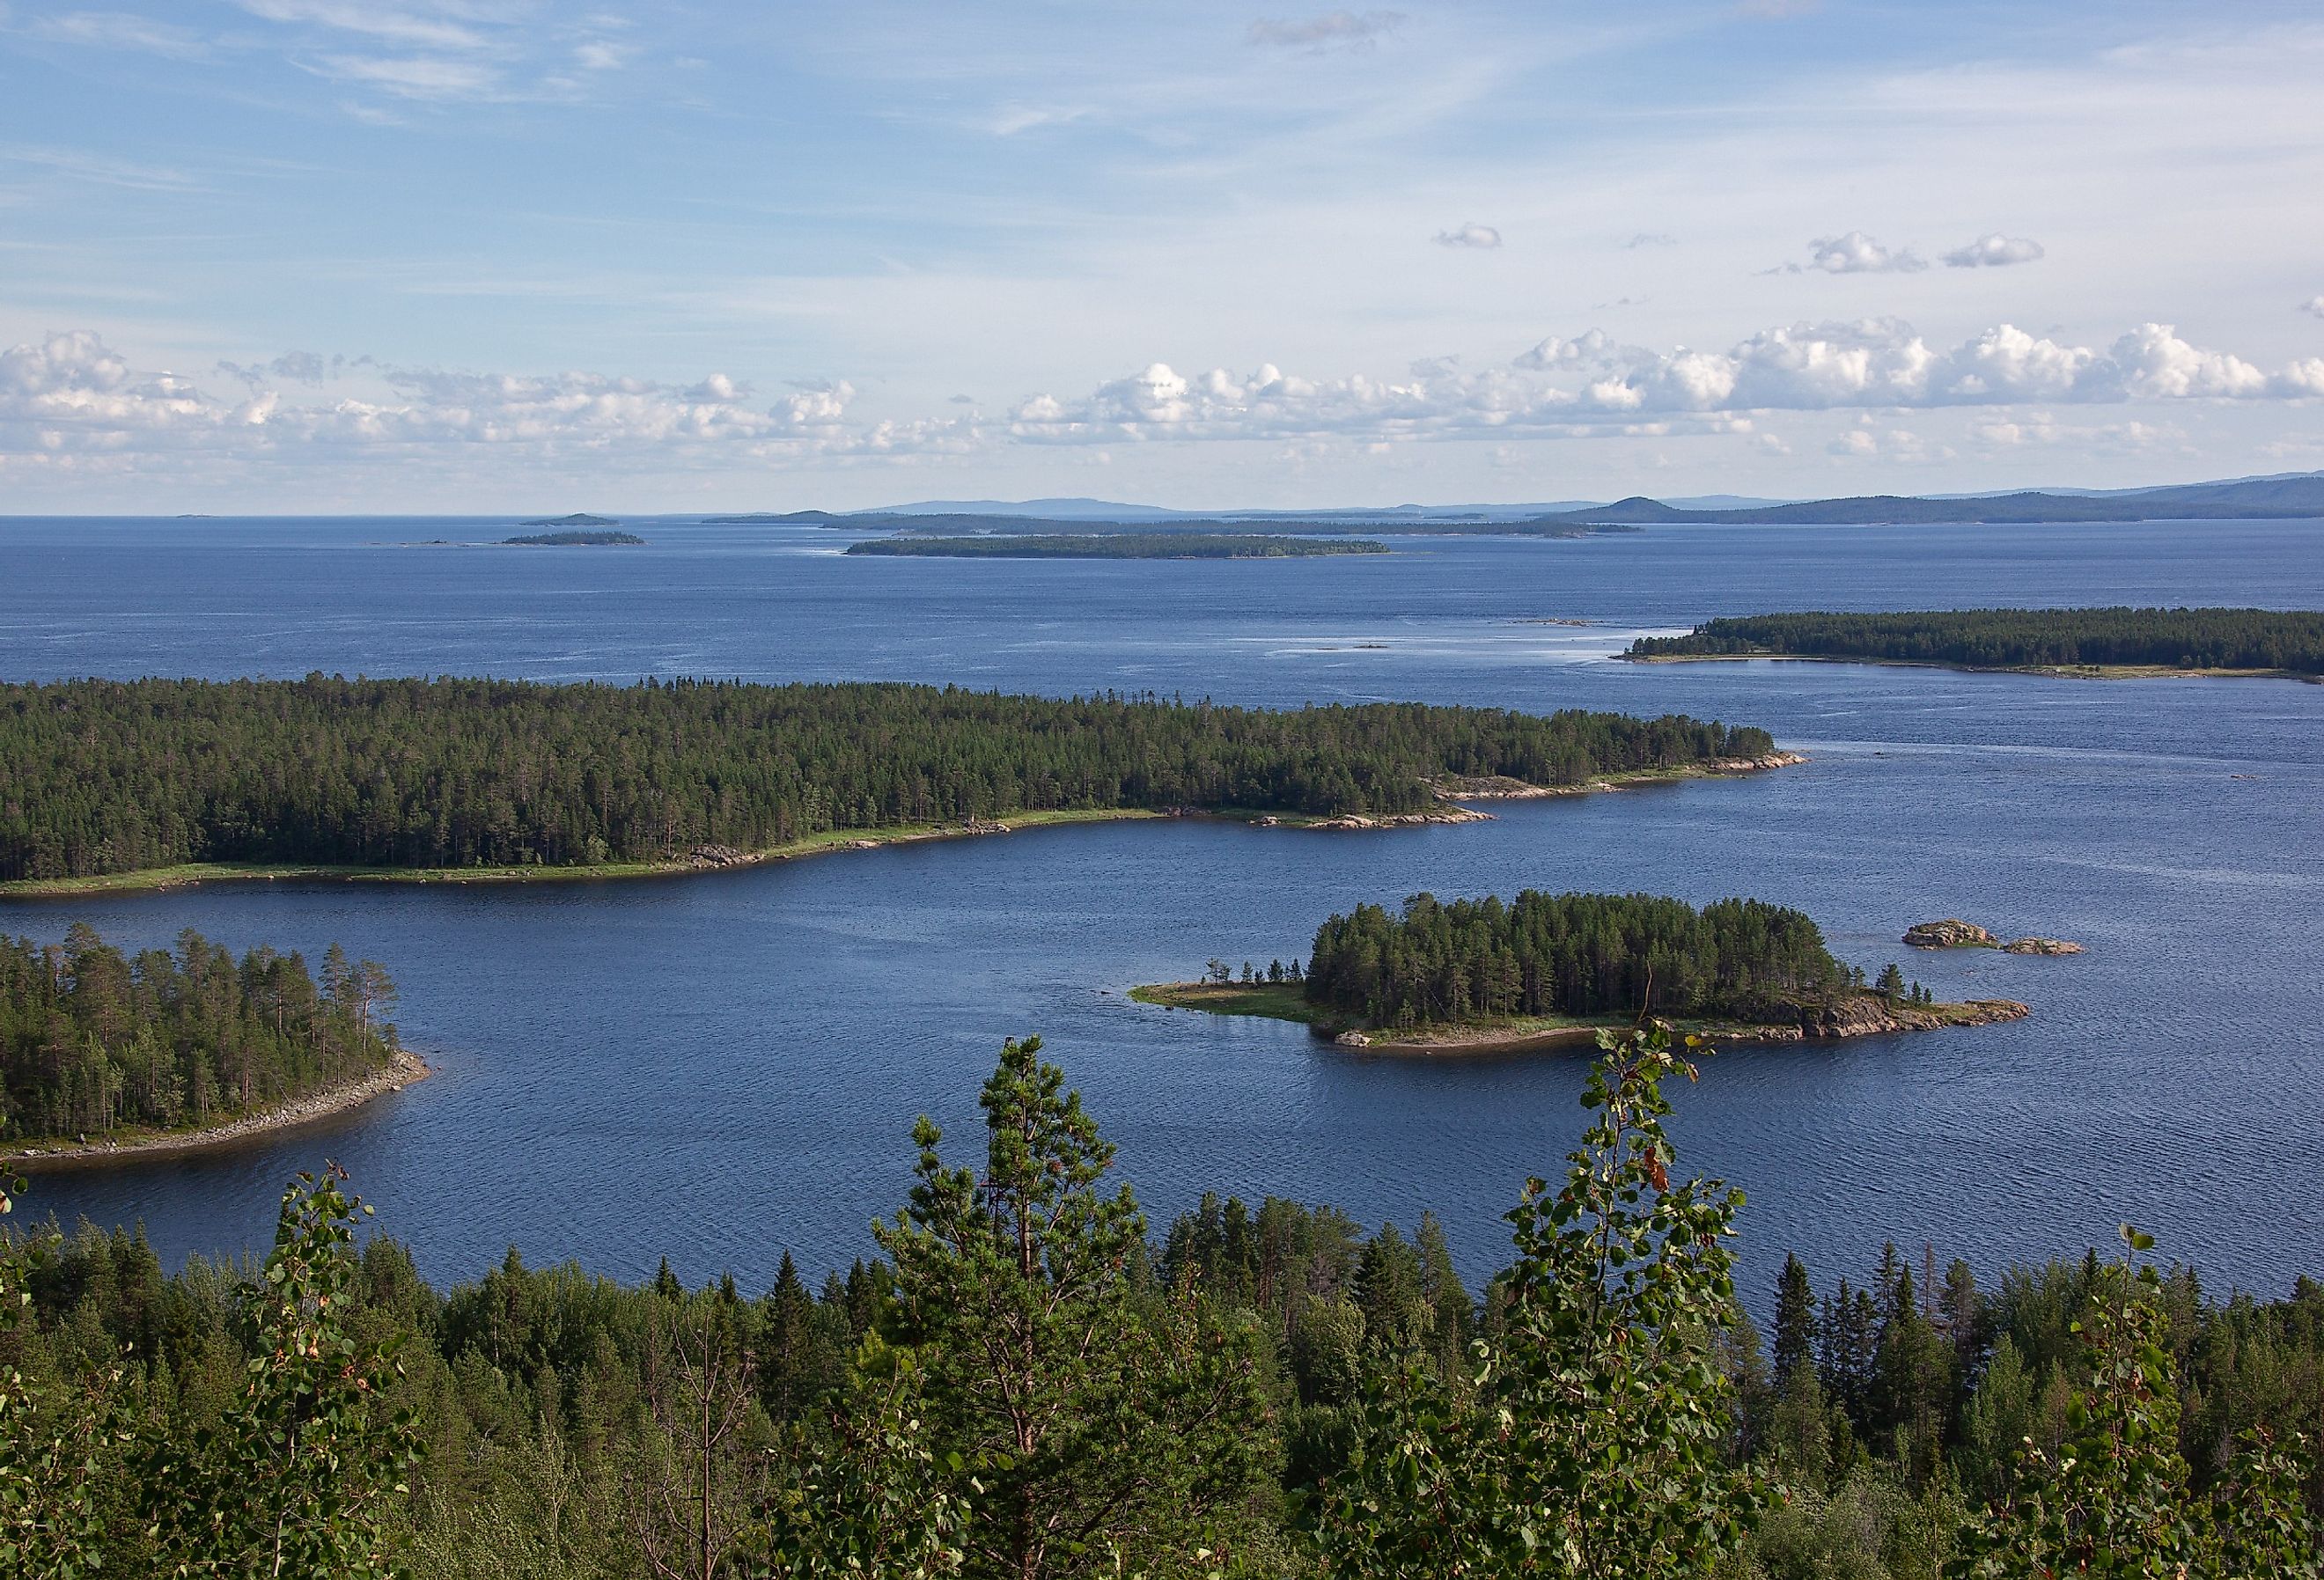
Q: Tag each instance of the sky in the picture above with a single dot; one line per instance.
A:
(510, 255)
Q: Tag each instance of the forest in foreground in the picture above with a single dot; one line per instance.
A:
(92, 1040)
(1022, 1382)
(2180, 639)
(110, 776)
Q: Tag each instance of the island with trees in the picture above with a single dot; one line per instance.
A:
(577, 519)
(572, 538)
(2108, 642)
(1121, 546)
(135, 783)
(1545, 970)
(104, 1054)
(1024, 1379)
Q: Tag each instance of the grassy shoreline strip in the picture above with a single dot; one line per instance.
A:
(153, 878)
(147, 880)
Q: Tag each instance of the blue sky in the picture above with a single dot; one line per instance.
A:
(501, 255)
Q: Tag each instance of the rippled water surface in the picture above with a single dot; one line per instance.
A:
(721, 1066)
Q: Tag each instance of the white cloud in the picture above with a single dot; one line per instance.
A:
(1335, 30)
(117, 30)
(1470, 234)
(415, 75)
(1857, 254)
(71, 395)
(1593, 384)
(2315, 305)
(418, 27)
(596, 55)
(1995, 251)
(1649, 238)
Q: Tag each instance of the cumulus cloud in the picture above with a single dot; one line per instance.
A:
(71, 394)
(1591, 384)
(1335, 30)
(1857, 254)
(1470, 234)
(2315, 305)
(1995, 251)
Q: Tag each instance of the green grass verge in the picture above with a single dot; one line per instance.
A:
(150, 878)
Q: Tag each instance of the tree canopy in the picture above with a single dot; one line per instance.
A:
(108, 776)
(2185, 639)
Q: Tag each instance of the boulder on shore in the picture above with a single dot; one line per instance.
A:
(1953, 933)
(2040, 946)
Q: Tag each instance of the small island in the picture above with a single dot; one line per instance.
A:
(168, 1053)
(1548, 971)
(577, 519)
(1953, 933)
(1121, 546)
(2108, 643)
(570, 539)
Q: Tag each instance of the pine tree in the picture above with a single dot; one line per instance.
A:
(1093, 1420)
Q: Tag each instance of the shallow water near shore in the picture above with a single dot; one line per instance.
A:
(721, 1066)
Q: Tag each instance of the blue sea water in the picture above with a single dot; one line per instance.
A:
(721, 1067)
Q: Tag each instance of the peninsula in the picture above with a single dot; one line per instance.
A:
(2078, 644)
(146, 783)
(174, 1052)
(1121, 546)
(1552, 970)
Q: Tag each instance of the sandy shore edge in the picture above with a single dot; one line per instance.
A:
(402, 1071)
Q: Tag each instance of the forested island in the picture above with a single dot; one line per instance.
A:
(1121, 546)
(159, 780)
(577, 519)
(1021, 1381)
(572, 538)
(2109, 642)
(1546, 968)
(98, 1048)
(965, 523)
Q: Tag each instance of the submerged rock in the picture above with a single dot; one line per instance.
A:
(1951, 933)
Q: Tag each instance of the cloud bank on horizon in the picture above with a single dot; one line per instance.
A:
(422, 253)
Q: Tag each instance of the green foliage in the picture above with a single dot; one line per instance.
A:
(1105, 1424)
(2192, 638)
(304, 1474)
(1440, 963)
(2116, 1496)
(868, 1493)
(90, 1040)
(110, 776)
(1594, 1442)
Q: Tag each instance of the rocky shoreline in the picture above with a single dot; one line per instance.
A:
(1865, 1014)
(400, 1072)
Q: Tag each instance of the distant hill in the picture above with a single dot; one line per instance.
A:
(2296, 495)
(2300, 497)
(577, 520)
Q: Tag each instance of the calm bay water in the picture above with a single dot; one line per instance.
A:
(724, 1066)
